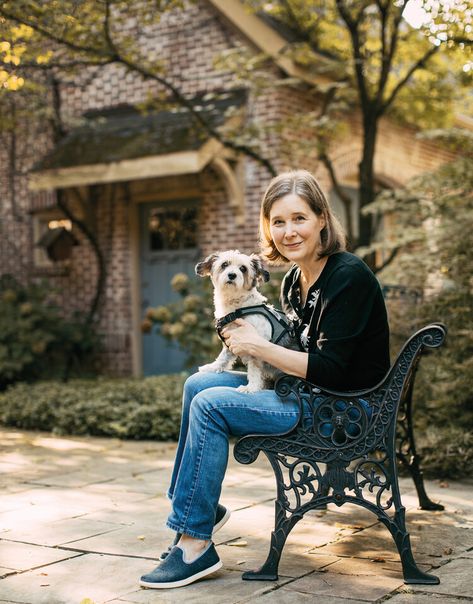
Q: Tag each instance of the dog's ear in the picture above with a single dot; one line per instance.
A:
(204, 268)
(262, 275)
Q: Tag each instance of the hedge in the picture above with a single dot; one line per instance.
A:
(125, 408)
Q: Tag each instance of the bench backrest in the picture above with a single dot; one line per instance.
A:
(348, 425)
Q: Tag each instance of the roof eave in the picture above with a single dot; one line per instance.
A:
(265, 39)
(169, 164)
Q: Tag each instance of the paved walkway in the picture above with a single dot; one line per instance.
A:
(82, 518)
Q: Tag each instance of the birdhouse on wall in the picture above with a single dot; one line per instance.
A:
(58, 244)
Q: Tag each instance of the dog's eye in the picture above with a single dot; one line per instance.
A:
(243, 269)
(224, 265)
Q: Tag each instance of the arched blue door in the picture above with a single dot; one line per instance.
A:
(168, 245)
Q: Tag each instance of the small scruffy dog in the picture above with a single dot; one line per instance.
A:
(235, 277)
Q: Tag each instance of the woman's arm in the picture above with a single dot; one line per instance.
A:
(246, 340)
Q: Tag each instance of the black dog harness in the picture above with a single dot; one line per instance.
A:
(280, 324)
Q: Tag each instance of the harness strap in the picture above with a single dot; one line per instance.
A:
(280, 325)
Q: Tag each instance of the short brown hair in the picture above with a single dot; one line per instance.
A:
(303, 184)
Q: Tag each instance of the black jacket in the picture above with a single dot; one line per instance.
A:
(343, 326)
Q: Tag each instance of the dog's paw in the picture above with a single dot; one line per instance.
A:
(211, 368)
(249, 388)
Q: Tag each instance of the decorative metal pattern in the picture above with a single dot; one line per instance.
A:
(353, 436)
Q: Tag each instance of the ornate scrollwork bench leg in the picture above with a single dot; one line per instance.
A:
(406, 447)
(345, 454)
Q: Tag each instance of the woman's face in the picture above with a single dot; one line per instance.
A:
(295, 229)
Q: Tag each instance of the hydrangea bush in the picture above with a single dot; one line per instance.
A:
(190, 320)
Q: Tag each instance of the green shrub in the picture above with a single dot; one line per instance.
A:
(125, 408)
(447, 453)
(36, 341)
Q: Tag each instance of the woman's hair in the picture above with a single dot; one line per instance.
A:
(303, 184)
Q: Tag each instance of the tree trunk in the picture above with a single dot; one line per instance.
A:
(367, 183)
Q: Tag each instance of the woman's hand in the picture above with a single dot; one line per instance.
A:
(242, 338)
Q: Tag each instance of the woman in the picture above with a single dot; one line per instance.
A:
(338, 309)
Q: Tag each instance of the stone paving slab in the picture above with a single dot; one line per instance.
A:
(61, 532)
(97, 577)
(23, 556)
(141, 538)
(286, 596)
(100, 524)
(432, 536)
(294, 560)
(129, 511)
(455, 579)
(362, 587)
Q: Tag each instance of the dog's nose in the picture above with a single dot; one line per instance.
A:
(231, 276)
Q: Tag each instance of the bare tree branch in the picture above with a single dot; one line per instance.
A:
(357, 55)
(389, 259)
(50, 35)
(56, 65)
(388, 55)
(90, 236)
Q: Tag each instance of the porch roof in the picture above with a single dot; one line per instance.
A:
(122, 143)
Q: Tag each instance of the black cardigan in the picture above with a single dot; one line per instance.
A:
(343, 326)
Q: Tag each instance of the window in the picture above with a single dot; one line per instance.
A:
(174, 229)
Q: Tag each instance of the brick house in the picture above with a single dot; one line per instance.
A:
(157, 195)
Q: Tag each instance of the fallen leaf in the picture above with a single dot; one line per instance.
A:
(447, 551)
(87, 601)
(43, 574)
(141, 538)
(443, 484)
(378, 560)
(240, 543)
(44, 585)
(241, 561)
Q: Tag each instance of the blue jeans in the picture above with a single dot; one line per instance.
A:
(212, 411)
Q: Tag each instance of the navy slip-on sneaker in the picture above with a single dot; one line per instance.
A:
(221, 517)
(175, 572)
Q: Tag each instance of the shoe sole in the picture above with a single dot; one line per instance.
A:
(217, 527)
(183, 582)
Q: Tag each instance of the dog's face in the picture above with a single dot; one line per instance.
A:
(232, 270)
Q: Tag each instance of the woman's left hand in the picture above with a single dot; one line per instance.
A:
(242, 338)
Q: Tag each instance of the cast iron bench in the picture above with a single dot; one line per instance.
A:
(353, 435)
